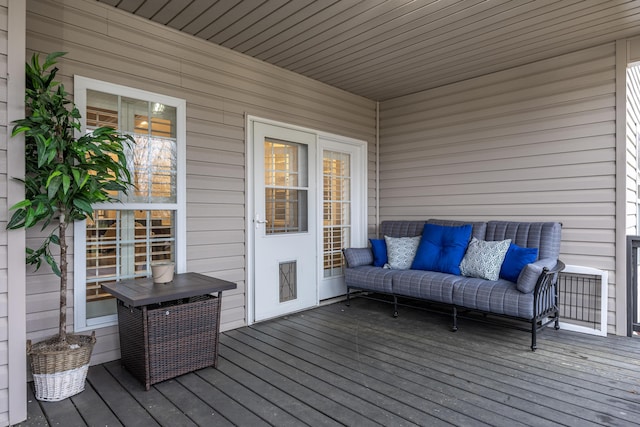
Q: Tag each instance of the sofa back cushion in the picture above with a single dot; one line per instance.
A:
(401, 228)
(545, 236)
(478, 228)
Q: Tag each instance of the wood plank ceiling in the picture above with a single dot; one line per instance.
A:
(382, 49)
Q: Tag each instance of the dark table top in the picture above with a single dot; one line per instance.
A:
(138, 292)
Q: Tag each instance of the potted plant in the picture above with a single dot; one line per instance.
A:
(66, 172)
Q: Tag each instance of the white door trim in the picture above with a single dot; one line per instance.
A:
(359, 238)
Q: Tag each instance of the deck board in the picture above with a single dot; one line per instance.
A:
(489, 374)
(127, 410)
(253, 361)
(231, 410)
(191, 404)
(159, 407)
(338, 365)
(92, 409)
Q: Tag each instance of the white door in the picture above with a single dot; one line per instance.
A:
(284, 221)
(342, 214)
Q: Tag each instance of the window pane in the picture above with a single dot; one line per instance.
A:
(153, 158)
(153, 166)
(122, 245)
(336, 210)
(285, 169)
(286, 210)
(102, 110)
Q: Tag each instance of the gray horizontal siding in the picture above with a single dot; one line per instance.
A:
(220, 87)
(533, 143)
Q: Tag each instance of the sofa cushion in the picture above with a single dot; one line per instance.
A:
(545, 236)
(401, 228)
(379, 249)
(370, 278)
(499, 297)
(478, 231)
(401, 251)
(358, 256)
(484, 259)
(429, 285)
(515, 260)
(442, 248)
(529, 275)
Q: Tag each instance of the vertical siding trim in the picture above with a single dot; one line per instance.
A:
(377, 201)
(16, 273)
(621, 185)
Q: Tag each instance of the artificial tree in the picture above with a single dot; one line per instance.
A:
(66, 171)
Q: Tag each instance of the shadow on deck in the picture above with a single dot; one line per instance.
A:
(338, 365)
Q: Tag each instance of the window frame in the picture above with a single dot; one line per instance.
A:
(81, 85)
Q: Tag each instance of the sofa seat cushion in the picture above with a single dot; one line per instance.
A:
(370, 278)
(499, 297)
(429, 285)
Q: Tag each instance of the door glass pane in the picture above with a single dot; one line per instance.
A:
(286, 187)
(336, 210)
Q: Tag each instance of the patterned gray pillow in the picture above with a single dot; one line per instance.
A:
(401, 251)
(484, 259)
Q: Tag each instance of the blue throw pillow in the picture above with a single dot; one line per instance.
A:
(379, 249)
(515, 260)
(442, 248)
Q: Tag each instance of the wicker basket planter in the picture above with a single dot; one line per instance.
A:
(58, 372)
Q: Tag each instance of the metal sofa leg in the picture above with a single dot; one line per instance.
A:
(534, 332)
(395, 306)
(348, 296)
(454, 328)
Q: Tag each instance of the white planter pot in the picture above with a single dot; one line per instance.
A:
(162, 272)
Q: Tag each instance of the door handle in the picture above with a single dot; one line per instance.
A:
(259, 221)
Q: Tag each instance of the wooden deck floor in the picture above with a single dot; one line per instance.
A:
(338, 365)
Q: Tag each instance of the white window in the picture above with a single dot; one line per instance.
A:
(148, 224)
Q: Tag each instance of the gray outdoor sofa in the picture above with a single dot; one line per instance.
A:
(531, 298)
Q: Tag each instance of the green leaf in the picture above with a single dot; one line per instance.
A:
(82, 205)
(66, 183)
(52, 176)
(52, 187)
(54, 265)
(20, 205)
(76, 176)
(17, 220)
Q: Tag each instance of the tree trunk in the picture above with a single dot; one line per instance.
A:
(62, 228)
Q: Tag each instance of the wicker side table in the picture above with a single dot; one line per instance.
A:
(168, 329)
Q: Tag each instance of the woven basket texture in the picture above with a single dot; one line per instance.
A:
(60, 371)
(59, 386)
(48, 358)
(181, 336)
